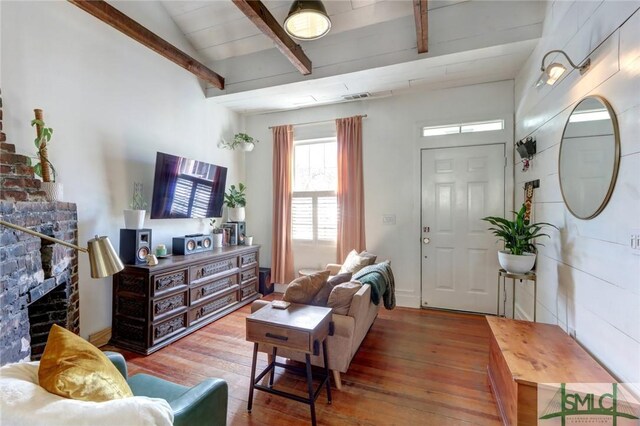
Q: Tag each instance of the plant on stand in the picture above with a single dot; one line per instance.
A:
(44, 168)
(518, 235)
(235, 200)
(134, 216)
(217, 233)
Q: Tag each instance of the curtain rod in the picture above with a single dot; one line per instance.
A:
(317, 122)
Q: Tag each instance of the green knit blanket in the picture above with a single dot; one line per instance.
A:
(380, 277)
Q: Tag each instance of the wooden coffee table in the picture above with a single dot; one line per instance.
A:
(301, 328)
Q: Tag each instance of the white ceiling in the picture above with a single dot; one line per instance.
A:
(371, 48)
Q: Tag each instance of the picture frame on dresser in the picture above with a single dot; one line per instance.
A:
(233, 233)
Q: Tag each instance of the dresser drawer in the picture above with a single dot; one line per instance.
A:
(249, 289)
(247, 275)
(210, 288)
(170, 281)
(207, 309)
(168, 305)
(279, 336)
(206, 270)
(249, 259)
(169, 327)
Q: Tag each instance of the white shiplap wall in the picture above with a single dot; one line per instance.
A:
(589, 277)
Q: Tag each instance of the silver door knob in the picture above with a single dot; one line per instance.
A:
(426, 240)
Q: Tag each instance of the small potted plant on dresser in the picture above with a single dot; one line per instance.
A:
(217, 233)
(134, 216)
(518, 235)
(235, 200)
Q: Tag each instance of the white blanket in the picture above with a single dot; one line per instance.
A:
(23, 402)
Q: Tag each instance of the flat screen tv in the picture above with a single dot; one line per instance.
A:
(185, 188)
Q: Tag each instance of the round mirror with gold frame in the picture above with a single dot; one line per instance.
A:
(589, 157)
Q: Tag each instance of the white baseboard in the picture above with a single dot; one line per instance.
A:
(520, 314)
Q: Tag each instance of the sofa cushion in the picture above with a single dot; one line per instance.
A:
(341, 295)
(322, 297)
(73, 368)
(354, 262)
(372, 257)
(303, 289)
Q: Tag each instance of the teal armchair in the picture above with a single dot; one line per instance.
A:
(204, 404)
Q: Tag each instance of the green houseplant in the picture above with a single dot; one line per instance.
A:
(518, 235)
(235, 200)
(43, 167)
(240, 140)
(217, 233)
(134, 216)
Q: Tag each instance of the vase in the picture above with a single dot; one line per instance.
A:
(235, 214)
(53, 191)
(217, 240)
(516, 264)
(134, 219)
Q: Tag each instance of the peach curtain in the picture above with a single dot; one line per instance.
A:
(351, 234)
(281, 249)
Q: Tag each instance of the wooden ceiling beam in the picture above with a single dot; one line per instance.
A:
(258, 13)
(421, 15)
(121, 22)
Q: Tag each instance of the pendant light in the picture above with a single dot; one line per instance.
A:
(307, 20)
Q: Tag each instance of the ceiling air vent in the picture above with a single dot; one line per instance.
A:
(356, 96)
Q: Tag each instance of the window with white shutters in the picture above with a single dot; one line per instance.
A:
(314, 204)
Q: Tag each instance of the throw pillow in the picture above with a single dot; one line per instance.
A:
(322, 297)
(372, 257)
(303, 289)
(341, 295)
(353, 263)
(73, 368)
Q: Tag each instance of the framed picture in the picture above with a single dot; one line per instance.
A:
(233, 233)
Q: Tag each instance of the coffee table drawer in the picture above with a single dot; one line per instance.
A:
(278, 336)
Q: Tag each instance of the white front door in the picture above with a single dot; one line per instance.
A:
(459, 256)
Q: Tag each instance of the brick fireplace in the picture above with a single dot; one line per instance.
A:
(38, 279)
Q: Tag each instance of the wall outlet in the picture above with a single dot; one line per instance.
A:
(388, 219)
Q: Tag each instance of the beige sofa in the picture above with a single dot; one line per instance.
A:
(349, 332)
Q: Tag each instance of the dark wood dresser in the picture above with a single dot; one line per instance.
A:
(154, 306)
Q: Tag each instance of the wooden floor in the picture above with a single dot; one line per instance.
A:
(415, 367)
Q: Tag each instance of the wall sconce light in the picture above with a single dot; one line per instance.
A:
(552, 72)
(103, 259)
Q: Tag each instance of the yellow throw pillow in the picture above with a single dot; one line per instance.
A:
(303, 289)
(73, 368)
(354, 262)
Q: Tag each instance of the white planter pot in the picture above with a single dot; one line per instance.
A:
(53, 190)
(247, 147)
(217, 240)
(516, 264)
(235, 214)
(134, 219)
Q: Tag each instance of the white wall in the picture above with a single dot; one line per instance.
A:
(589, 278)
(391, 144)
(112, 103)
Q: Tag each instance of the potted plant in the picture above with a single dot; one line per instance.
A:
(235, 200)
(240, 140)
(134, 216)
(518, 235)
(53, 190)
(217, 233)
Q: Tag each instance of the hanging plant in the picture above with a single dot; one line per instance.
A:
(240, 140)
